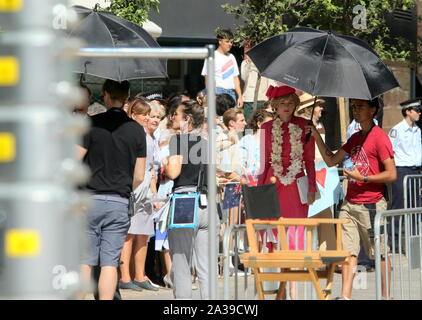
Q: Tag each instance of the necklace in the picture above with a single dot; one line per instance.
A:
(296, 152)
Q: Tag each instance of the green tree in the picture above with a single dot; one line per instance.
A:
(134, 10)
(262, 19)
(345, 17)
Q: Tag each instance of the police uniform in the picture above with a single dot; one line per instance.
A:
(407, 149)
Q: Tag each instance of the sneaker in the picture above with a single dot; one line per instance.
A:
(154, 284)
(145, 285)
(239, 273)
(129, 285)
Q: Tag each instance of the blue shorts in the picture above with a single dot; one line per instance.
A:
(107, 226)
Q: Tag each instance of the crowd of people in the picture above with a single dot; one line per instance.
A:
(149, 150)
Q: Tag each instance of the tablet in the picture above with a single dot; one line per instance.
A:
(184, 209)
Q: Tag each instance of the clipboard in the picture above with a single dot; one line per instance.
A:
(184, 211)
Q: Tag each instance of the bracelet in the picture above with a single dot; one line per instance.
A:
(365, 178)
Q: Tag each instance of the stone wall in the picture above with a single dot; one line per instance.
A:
(392, 109)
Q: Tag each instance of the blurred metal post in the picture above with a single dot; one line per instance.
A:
(39, 206)
(212, 187)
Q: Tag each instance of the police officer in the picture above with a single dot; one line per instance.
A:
(406, 140)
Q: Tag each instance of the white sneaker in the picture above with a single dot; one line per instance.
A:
(153, 284)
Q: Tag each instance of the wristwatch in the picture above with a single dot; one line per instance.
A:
(365, 178)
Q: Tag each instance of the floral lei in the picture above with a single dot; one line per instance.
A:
(295, 154)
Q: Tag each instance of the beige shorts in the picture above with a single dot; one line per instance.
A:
(360, 229)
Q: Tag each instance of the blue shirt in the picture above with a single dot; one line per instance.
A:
(250, 154)
(407, 145)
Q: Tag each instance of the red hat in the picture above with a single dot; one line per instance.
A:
(275, 92)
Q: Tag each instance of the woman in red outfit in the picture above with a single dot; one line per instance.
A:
(285, 156)
(286, 151)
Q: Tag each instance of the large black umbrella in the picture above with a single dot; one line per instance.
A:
(103, 29)
(323, 63)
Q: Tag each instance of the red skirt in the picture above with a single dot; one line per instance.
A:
(289, 199)
(291, 207)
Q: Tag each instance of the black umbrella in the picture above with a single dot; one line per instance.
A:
(103, 29)
(323, 63)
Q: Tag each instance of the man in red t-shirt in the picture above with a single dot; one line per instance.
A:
(372, 154)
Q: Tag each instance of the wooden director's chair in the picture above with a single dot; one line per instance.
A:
(261, 204)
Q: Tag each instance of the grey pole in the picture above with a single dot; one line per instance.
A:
(212, 188)
(171, 53)
(39, 207)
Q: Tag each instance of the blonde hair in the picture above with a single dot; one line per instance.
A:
(275, 103)
(155, 107)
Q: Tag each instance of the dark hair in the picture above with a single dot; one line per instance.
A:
(173, 104)
(258, 116)
(224, 34)
(195, 112)
(375, 103)
(414, 107)
(117, 90)
(223, 102)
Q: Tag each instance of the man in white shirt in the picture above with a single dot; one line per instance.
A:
(355, 127)
(226, 69)
(406, 140)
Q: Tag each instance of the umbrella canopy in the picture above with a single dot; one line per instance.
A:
(101, 29)
(323, 63)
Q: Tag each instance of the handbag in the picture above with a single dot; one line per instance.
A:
(184, 206)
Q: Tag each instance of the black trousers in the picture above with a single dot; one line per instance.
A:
(398, 201)
(397, 187)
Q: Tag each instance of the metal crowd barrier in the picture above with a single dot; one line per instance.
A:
(412, 191)
(232, 232)
(405, 274)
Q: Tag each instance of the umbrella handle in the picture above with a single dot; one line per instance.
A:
(308, 135)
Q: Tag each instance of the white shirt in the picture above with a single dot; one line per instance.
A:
(354, 127)
(249, 74)
(407, 145)
(225, 70)
(152, 161)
